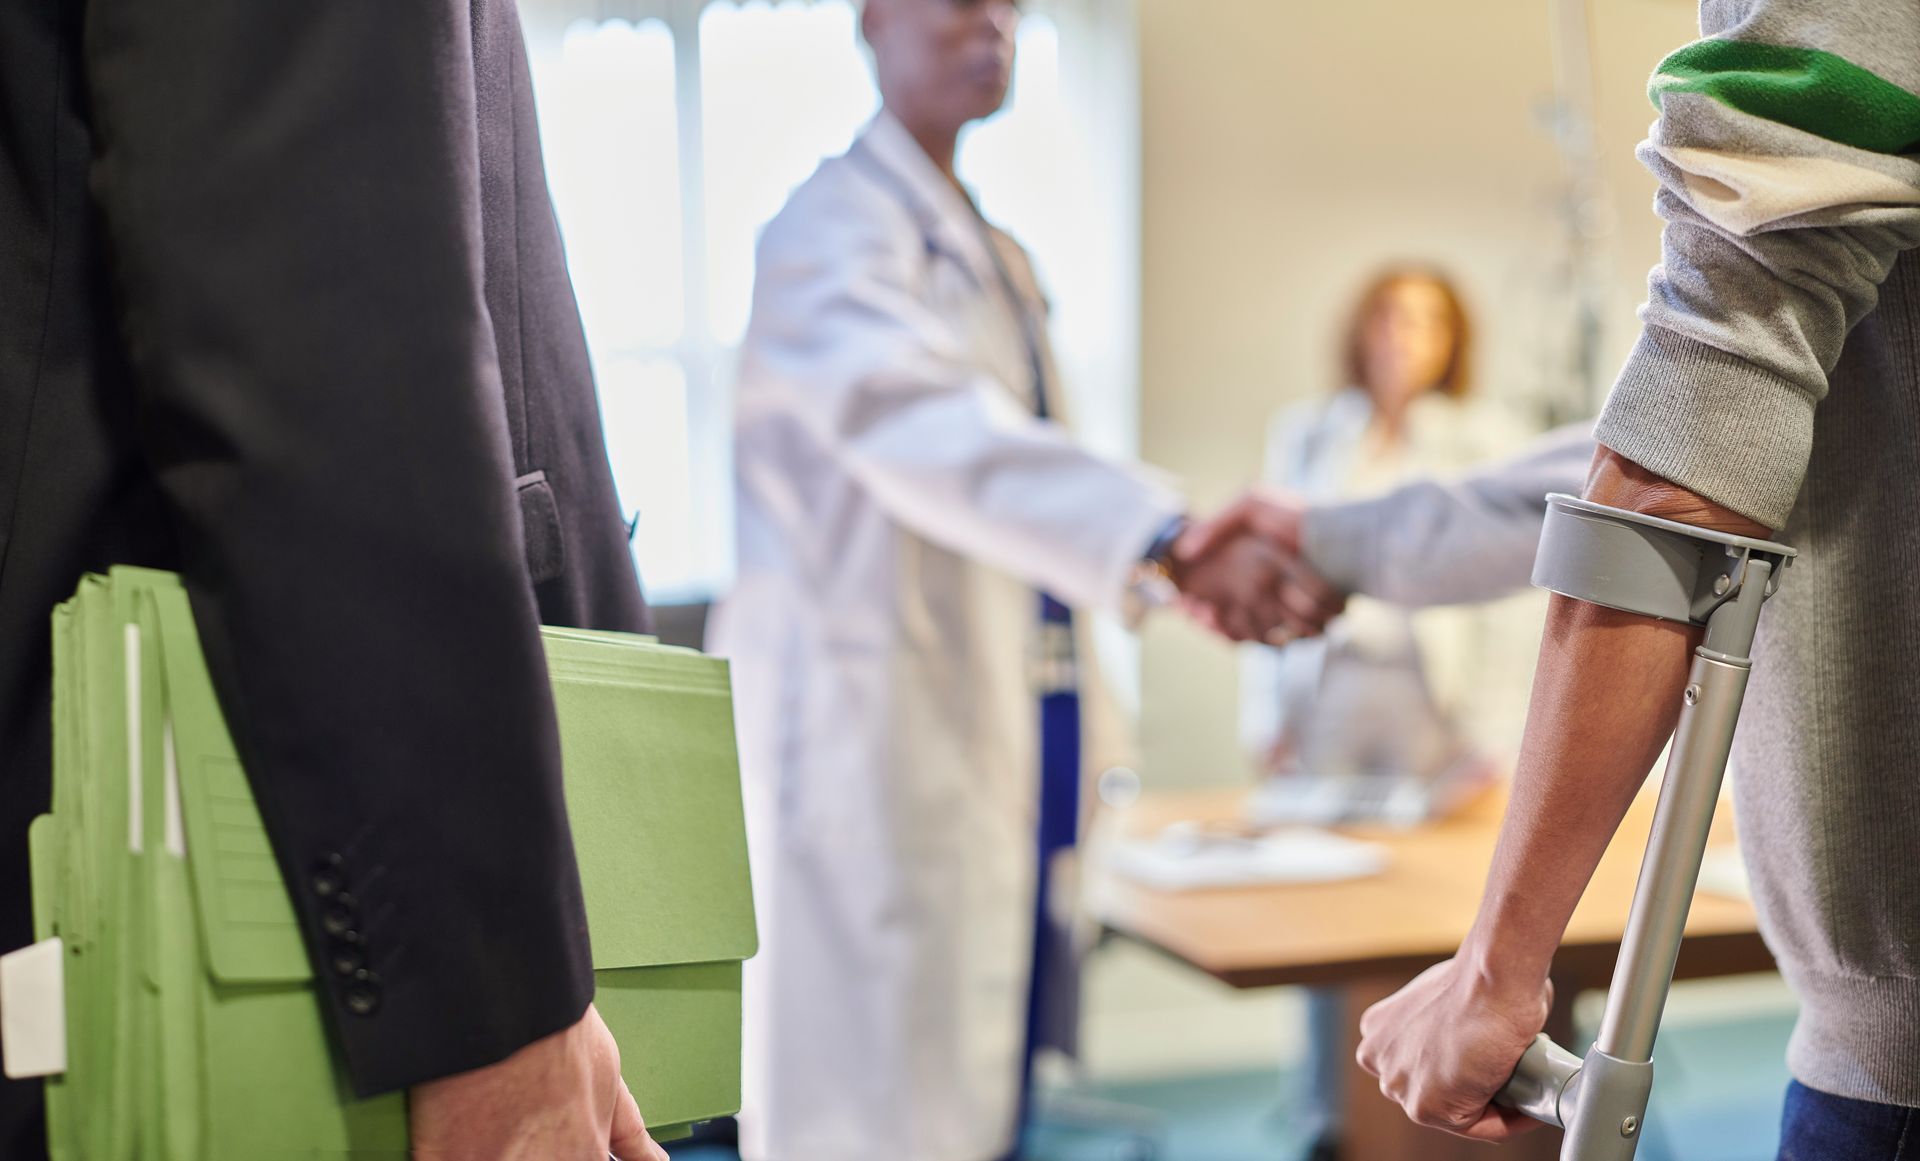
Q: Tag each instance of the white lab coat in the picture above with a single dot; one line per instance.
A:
(898, 503)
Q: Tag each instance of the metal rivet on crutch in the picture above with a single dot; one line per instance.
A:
(1692, 695)
(1629, 1126)
(1721, 584)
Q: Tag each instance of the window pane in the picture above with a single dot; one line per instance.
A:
(643, 399)
(1046, 173)
(1017, 160)
(609, 128)
(782, 86)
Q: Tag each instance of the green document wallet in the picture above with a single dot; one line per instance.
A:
(194, 1028)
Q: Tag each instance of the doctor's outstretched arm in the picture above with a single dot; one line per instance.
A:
(893, 389)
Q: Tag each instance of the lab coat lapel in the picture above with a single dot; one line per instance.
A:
(953, 226)
(947, 219)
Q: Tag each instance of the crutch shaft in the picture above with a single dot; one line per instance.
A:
(1659, 569)
(1671, 867)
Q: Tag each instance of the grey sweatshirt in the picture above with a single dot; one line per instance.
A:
(1779, 374)
(1454, 541)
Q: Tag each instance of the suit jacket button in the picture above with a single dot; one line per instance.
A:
(347, 960)
(363, 999)
(338, 922)
(329, 876)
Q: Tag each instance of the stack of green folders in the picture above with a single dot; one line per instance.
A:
(194, 1030)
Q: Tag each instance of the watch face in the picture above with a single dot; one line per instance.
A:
(1160, 552)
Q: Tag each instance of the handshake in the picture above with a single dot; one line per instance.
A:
(1240, 573)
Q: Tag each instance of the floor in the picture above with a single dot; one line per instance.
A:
(1717, 1099)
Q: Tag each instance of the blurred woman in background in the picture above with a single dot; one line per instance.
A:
(1393, 715)
(1404, 412)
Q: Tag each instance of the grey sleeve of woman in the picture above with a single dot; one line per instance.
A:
(1449, 542)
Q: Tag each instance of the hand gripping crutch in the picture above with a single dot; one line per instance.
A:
(1676, 572)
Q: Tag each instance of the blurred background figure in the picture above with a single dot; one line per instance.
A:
(1393, 714)
(1311, 709)
(909, 704)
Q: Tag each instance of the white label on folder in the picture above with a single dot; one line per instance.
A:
(176, 816)
(33, 1010)
(134, 803)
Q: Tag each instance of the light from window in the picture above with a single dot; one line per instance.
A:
(1035, 174)
(643, 402)
(781, 87)
(613, 161)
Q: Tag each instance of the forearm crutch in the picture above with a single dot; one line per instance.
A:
(1675, 572)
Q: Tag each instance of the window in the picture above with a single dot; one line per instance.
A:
(674, 129)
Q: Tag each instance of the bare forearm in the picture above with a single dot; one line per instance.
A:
(1605, 699)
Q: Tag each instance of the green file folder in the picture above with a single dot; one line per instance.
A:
(194, 1029)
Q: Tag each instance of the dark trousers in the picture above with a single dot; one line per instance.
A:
(1821, 1127)
(22, 1127)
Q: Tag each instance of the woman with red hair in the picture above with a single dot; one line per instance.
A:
(1392, 715)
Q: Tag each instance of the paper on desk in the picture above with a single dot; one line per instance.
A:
(1184, 861)
(1723, 872)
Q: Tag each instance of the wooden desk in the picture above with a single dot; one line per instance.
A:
(1368, 937)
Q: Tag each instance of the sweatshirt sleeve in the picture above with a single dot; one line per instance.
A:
(1785, 150)
(1440, 542)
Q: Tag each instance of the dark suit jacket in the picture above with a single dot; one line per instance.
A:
(283, 307)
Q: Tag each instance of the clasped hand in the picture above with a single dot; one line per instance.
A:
(557, 1099)
(1240, 573)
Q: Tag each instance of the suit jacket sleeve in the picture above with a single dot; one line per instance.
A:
(290, 194)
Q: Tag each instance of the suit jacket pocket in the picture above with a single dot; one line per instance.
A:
(546, 548)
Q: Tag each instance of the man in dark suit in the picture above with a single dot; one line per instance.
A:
(283, 307)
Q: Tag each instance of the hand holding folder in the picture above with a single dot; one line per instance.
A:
(193, 1030)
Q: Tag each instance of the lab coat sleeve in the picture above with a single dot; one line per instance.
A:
(889, 386)
(1435, 542)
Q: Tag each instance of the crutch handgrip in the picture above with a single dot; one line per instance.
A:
(1544, 1083)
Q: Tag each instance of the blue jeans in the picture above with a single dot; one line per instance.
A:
(1819, 1127)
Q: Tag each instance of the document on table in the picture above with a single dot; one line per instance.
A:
(1186, 857)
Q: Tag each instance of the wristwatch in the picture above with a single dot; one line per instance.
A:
(1159, 554)
(1151, 584)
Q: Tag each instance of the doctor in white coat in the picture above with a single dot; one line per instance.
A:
(902, 499)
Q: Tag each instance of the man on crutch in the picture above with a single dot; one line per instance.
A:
(1788, 151)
